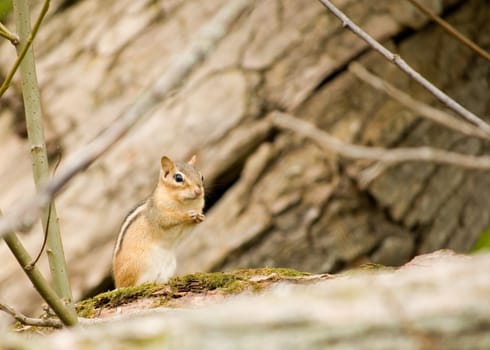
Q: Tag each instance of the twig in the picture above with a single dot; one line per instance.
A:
(7, 34)
(45, 236)
(451, 30)
(25, 48)
(386, 157)
(400, 63)
(40, 170)
(424, 110)
(29, 321)
(173, 77)
(45, 239)
(39, 282)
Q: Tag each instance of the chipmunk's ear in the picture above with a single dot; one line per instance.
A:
(167, 165)
(192, 161)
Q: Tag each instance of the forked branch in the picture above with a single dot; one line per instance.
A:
(404, 66)
(8, 79)
(29, 321)
(7, 34)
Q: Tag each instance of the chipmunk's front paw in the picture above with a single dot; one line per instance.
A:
(196, 216)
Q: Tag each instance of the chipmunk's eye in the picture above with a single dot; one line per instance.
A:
(178, 177)
(202, 178)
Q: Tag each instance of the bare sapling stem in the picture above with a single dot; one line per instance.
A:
(35, 131)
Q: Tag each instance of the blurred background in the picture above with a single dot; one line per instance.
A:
(273, 198)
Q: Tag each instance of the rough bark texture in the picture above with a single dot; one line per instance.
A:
(275, 199)
(437, 301)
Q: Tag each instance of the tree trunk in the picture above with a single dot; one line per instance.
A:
(273, 198)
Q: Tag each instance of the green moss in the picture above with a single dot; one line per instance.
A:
(229, 283)
(86, 308)
(483, 242)
(270, 271)
(225, 282)
(197, 282)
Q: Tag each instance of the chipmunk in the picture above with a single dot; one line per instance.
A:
(144, 250)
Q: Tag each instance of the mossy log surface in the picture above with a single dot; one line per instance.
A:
(193, 289)
(436, 301)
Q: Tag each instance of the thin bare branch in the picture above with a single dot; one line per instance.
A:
(38, 280)
(29, 321)
(450, 29)
(7, 34)
(31, 95)
(386, 157)
(404, 66)
(422, 109)
(173, 77)
(45, 240)
(6, 83)
(45, 237)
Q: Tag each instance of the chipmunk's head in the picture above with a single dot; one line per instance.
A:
(182, 180)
